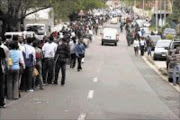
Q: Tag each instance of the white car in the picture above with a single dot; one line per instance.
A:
(114, 20)
(161, 49)
(25, 34)
(110, 35)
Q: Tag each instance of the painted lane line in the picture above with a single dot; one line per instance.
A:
(95, 80)
(91, 94)
(82, 116)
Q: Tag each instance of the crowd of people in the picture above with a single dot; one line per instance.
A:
(135, 37)
(26, 64)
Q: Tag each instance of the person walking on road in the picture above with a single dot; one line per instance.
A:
(136, 46)
(49, 50)
(80, 51)
(149, 45)
(2, 75)
(61, 57)
(176, 68)
(72, 52)
(142, 46)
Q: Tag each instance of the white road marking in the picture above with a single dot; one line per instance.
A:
(95, 79)
(91, 94)
(82, 116)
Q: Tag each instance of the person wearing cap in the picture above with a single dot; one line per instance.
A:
(49, 50)
(2, 75)
(61, 57)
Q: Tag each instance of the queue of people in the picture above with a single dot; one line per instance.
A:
(26, 64)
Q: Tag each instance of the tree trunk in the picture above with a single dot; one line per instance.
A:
(4, 27)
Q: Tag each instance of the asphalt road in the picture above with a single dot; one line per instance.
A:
(114, 84)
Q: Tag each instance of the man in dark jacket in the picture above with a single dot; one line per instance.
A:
(62, 54)
(2, 59)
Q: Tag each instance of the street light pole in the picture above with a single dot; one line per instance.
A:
(143, 8)
(156, 15)
(164, 12)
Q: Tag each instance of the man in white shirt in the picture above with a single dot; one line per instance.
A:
(49, 50)
(30, 60)
(142, 45)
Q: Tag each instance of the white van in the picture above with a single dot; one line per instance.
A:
(10, 35)
(110, 35)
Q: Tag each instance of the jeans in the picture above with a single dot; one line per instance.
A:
(13, 84)
(176, 70)
(149, 49)
(142, 50)
(59, 66)
(79, 62)
(48, 72)
(73, 60)
(2, 85)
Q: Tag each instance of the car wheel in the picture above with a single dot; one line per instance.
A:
(170, 80)
(102, 43)
(115, 44)
(155, 58)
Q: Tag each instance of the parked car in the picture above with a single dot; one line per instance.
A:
(110, 35)
(154, 39)
(161, 49)
(173, 45)
(169, 32)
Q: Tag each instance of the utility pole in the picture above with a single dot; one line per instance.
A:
(143, 8)
(135, 3)
(160, 20)
(156, 15)
(165, 12)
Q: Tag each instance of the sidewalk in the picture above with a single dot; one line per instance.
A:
(160, 68)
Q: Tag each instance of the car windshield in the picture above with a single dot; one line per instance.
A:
(155, 38)
(169, 31)
(175, 45)
(163, 44)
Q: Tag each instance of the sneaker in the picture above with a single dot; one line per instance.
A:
(30, 90)
(3, 106)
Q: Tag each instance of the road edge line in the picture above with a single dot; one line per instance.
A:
(155, 68)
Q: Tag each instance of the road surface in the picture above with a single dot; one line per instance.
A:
(114, 84)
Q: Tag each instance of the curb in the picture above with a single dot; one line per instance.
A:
(151, 63)
(163, 71)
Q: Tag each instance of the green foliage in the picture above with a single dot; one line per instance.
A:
(175, 16)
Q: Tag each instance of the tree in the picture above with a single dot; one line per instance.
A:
(175, 12)
(13, 12)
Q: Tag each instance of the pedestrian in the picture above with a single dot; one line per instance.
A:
(80, 49)
(49, 50)
(176, 64)
(142, 46)
(72, 45)
(38, 65)
(15, 60)
(129, 38)
(149, 44)
(2, 75)
(142, 32)
(61, 57)
(30, 60)
(136, 46)
(121, 26)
